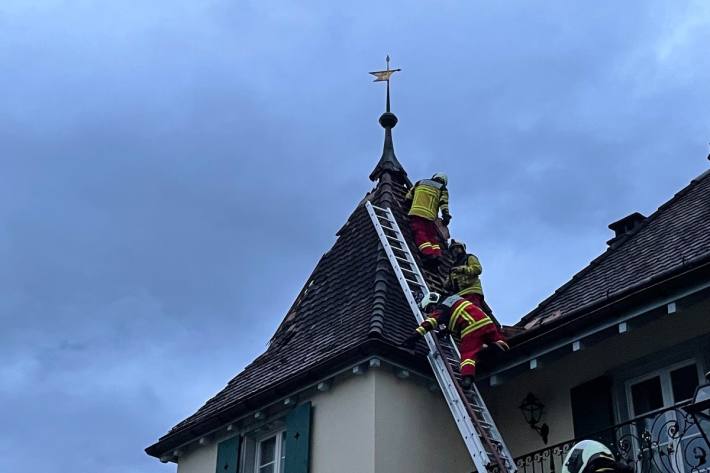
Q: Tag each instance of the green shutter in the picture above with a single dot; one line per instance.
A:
(592, 409)
(228, 456)
(298, 439)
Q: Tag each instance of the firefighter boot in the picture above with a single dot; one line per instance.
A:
(466, 382)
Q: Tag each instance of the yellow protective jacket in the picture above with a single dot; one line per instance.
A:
(428, 197)
(463, 277)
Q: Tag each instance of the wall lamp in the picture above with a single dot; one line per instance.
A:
(533, 409)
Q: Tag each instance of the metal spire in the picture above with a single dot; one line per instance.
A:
(388, 162)
(385, 75)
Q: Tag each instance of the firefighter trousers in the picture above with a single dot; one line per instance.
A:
(426, 236)
(472, 344)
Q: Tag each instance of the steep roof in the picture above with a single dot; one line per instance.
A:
(674, 237)
(350, 306)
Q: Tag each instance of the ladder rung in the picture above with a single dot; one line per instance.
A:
(404, 260)
(417, 283)
(401, 250)
(395, 239)
(384, 219)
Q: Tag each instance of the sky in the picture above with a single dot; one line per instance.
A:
(171, 171)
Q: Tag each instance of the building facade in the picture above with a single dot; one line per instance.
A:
(617, 353)
(627, 337)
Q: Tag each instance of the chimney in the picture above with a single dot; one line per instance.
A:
(624, 227)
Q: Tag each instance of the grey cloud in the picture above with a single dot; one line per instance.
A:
(172, 171)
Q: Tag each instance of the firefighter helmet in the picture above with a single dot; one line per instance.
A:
(441, 177)
(590, 456)
(455, 243)
(430, 298)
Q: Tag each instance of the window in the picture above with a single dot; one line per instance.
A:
(684, 381)
(662, 388)
(271, 454)
(647, 396)
(659, 389)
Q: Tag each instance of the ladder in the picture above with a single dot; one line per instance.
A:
(480, 434)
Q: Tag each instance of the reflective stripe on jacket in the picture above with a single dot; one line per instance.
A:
(462, 318)
(428, 197)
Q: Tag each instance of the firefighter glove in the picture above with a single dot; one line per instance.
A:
(446, 218)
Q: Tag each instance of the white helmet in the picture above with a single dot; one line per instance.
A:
(590, 456)
(440, 176)
(430, 298)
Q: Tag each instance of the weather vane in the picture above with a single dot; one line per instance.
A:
(385, 76)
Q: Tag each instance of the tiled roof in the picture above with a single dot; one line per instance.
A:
(673, 237)
(350, 299)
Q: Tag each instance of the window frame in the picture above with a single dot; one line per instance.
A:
(697, 348)
(279, 449)
(667, 396)
(664, 375)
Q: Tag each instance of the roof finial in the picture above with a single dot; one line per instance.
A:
(385, 75)
(388, 161)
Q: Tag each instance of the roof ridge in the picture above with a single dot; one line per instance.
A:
(610, 250)
(383, 194)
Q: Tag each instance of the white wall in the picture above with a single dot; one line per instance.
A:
(199, 459)
(414, 430)
(372, 423)
(343, 427)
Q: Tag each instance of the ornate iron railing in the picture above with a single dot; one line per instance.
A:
(664, 441)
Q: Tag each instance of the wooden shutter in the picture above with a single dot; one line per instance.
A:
(592, 409)
(228, 455)
(298, 439)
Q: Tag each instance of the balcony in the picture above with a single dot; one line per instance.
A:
(669, 440)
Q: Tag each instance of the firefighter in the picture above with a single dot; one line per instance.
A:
(464, 274)
(464, 278)
(468, 323)
(428, 197)
(590, 456)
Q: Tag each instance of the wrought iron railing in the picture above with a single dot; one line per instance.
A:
(664, 441)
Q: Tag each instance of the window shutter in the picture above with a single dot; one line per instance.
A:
(298, 439)
(592, 409)
(228, 455)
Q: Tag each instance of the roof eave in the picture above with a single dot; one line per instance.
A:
(524, 345)
(372, 347)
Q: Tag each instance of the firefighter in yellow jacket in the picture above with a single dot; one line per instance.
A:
(464, 277)
(428, 197)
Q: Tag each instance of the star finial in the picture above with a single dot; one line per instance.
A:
(381, 76)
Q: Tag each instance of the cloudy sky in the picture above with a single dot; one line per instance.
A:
(172, 170)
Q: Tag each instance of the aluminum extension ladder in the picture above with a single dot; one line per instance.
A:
(480, 434)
